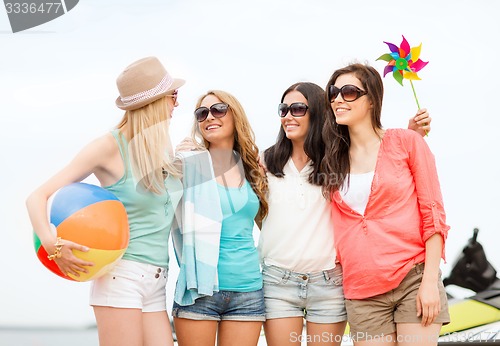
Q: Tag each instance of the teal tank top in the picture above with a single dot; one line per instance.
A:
(238, 268)
(150, 215)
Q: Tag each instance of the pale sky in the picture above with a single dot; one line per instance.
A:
(57, 87)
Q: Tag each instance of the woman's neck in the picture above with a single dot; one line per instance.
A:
(364, 148)
(223, 159)
(221, 155)
(221, 145)
(299, 156)
(364, 137)
(228, 169)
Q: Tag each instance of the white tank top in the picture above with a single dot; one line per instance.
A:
(357, 193)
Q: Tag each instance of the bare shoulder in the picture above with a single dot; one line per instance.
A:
(105, 144)
(100, 150)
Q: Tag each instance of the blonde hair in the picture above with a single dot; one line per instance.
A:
(149, 146)
(244, 145)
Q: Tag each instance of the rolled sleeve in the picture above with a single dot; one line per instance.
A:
(440, 226)
(430, 200)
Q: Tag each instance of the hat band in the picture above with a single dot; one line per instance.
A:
(164, 84)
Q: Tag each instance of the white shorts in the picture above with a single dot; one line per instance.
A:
(131, 285)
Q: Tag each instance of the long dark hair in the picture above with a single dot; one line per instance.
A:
(336, 164)
(278, 155)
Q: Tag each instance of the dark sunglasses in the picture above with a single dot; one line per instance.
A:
(218, 110)
(297, 109)
(349, 93)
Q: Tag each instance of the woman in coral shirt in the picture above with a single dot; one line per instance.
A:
(389, 220)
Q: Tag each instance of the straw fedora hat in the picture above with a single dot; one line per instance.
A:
(143, 82)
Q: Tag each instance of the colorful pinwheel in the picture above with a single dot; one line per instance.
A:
(404, 63)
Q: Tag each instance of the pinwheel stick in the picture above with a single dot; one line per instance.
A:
(414, 93)
(416, 99)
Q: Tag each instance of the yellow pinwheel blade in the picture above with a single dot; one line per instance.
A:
(415, 52)
(410, 75)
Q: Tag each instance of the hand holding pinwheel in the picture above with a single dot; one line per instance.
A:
(404, 63)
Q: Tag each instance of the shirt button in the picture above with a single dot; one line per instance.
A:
(157, 276)
(304, 277)
(159, 270)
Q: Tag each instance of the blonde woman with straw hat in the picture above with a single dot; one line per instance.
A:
(134, 161)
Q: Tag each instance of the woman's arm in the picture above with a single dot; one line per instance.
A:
(430, 201)
(428, 301)
(86, 162)
(435, 229)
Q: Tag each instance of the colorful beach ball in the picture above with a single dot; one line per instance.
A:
(92, 216)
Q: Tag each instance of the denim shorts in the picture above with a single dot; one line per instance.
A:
(131, 285)
(318, 297)
(224, 306)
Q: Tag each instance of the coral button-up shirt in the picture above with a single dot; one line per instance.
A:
(404, 209)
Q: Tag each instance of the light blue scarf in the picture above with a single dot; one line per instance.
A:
(196, 229)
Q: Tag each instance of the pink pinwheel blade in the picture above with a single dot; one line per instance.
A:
(404, 48)
(418, 65)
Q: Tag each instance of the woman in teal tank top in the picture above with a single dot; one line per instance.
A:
(135, 163)
(233, 304)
